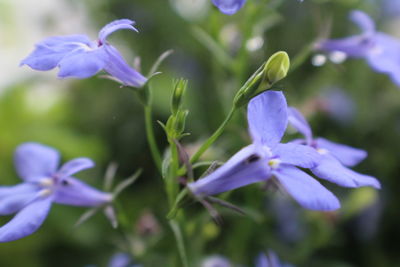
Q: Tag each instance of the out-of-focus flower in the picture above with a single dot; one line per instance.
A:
(267, 157)
(78, 57)
(216, 261)
(381, 51)
(122, 260)
(271, 260)
(229, 7)
(334, 157)
(338, 104)
(43, 184)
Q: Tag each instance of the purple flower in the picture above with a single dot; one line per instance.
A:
(334, 157)
(271, 260)
(216, 261)
(229, 7)
(43, 184)
(78, 57)
(267, 157)
(382, 51)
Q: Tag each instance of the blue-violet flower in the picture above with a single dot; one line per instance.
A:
(381, 50)
(267, 157)
(43, 184)
(229, 7)
(78, 57)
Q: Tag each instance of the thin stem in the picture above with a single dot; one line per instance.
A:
(179, 241)
(213, 137)
(148, 115)
(301, 57)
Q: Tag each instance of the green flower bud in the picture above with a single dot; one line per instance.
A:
(179, 91)
(276, 67)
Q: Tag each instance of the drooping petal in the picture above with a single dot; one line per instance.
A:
(363, 21)
(267, 117)
(82, 63)
(229, 7)
(307, 191)
(332, 170)
(118, 68)
(14, 198)
(115, 26)
(385, 56)
(48, 53)
(262, 260)
(73, 166)
(27, 221)
(34, 161)
(297, 120)
(347, 155)
(299, 155)
(74, 192)
(245, 167)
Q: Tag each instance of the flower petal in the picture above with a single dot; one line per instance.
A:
(229, 7)
(76, 165)
(245, 167)
(82, 63)
(262, 260)
(27, 221)
(347, 155)
(363, 21)
(118, 68)
(50, 52)
(354, 46)
(307, 191)
(33, 161)
(299, 155)
(115, 26)
(297, 120)
(330, 169)
(77, 193)
(267, 117)
(14, 198)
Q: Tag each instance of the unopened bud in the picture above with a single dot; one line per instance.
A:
(276, 67)
(179, 91)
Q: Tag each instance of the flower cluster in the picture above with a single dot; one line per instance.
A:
(267, 158)
(44, 184)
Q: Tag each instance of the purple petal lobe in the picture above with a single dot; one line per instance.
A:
(117, 67)
(262, 260)
(27, 221)
(354, 46)
(330, 169)
(299, 155)
(74, 166)
(52, 50)
(307, 191)
(363, 21)
(34, 161)
(229, 7)
(82, 63)
(297, 120)
(14, 198)
(71, 191)
(247, 166)
(120, 260)
(115, 26)
(267, 117)
(347, 155)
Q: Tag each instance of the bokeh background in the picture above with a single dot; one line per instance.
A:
(344, 100)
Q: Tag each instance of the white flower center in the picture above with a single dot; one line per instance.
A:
(274, 163)
(322, 151)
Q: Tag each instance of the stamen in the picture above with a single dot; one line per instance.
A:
(45, 193)
(322, 151)
(46, 182)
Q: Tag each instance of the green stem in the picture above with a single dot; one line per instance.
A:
(150, 136)
(301, 57)
(213, 137)
(179, 241)
(172, 181)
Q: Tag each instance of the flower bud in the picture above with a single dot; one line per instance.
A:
(276, 67)
(179, 91)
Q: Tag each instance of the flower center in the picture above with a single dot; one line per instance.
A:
(322, 151)
(274, 163)
(46, 182)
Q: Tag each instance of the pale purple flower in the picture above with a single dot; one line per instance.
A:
(122, 260)
(79, 57)
(216, 261)
(271, 260)
(267, 157)
(334, 157)
(381, 50)
(229, 7)
(44, 184)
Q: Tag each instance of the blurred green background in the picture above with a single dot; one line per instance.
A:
(346, 102)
